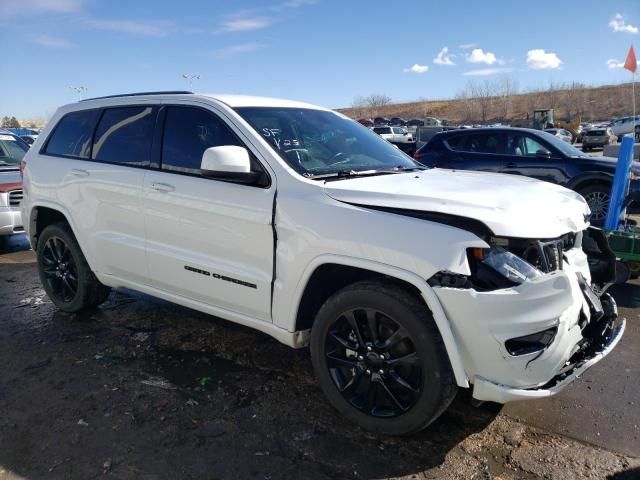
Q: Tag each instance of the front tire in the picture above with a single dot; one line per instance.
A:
(64, 272)
(380, 360)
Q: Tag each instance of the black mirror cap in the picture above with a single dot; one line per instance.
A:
(257, 179)
(543, 153)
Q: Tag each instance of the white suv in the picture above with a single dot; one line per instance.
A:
(292, 219)
(394, 134)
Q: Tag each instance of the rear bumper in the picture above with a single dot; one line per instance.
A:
(10, 221)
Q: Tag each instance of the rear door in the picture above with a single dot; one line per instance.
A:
(524, 159)
(102, 156)
(208, 240)
(476, 151)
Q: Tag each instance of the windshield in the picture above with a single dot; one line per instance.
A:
(11, 151)
(561, 145)
(318, 142)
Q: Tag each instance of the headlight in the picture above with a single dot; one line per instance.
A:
(496, 267)
(3, 199)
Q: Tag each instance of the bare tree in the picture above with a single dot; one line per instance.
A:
(376, 100)
(505, 87)
(572, 99)
(359, 107)
(467, 102)
(483, 93)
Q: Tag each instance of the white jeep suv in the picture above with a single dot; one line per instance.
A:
(292, 219)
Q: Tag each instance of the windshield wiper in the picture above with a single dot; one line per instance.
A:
(343, 174)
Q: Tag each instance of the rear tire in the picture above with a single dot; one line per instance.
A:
(64, 272)
(380, 360)
(598, 197)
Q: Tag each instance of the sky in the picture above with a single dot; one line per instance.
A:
(325, 52)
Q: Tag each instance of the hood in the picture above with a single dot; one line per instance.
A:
(606, 164)
(511, 206)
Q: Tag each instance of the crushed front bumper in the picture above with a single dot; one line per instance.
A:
(484, 389)
(585, 331)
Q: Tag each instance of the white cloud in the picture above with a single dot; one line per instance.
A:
(444, 57)
(538, 59)
(467, 46)
(416, 68)
(487, 71)
(612, 63)
(51, 42)
(618, 24)
(298, 3)
(149, 29)
(477, 55)
(244, 24)
(10, 8)
(233, 50)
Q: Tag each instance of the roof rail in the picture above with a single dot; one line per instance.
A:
(169, 92)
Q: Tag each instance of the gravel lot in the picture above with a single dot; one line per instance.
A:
(141, 388)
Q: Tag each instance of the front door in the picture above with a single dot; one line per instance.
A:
(207, 240)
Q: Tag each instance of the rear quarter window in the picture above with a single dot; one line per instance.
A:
(72, 135)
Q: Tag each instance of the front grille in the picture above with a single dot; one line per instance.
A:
(15, 198)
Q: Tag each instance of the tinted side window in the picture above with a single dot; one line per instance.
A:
(188, 132)
(124, 136)
(457, 142)
(72, 135)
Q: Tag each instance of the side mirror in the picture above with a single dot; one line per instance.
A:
(543, 153)
(232, 163)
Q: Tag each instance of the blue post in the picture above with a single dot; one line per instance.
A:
(620, 183)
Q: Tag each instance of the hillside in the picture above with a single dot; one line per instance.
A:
(590, 103)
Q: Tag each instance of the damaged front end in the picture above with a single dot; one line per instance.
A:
(533, 314)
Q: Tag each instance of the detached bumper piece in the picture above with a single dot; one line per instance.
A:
(600, 336)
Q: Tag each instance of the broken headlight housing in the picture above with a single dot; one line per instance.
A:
(494, 268)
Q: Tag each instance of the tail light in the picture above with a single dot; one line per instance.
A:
(23, 164)
(418, 155)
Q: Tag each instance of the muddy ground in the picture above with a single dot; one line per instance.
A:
(143, 389)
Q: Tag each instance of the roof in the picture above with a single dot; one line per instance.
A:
(231, 100)
(252, 101)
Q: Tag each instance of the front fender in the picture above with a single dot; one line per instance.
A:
(427, 293)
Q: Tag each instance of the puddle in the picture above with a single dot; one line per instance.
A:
(195, 370)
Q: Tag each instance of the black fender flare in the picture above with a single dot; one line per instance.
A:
(589, 178)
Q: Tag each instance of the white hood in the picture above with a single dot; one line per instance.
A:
(511, 206)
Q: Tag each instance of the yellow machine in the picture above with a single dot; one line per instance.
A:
(543, 119)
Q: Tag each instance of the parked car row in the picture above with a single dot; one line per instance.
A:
(12, 151)
(394, 122)
(530, 153)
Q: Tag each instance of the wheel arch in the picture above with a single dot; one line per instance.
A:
(349, 270)
(587, 179)
(43, 214)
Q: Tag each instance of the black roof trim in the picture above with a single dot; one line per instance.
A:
(139, 94)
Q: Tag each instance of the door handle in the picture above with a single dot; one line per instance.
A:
(79, 173)
(163, 187)
(511, 165)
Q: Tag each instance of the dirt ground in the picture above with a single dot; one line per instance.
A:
(143, 389)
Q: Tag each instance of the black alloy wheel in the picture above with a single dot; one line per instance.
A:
(379, 358)
(60, 270)
(64, 272)
(373, 362)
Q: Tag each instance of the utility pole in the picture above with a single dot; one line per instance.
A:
(79, 90)
(190, 79)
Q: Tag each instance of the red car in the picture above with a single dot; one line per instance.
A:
(367, 122)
